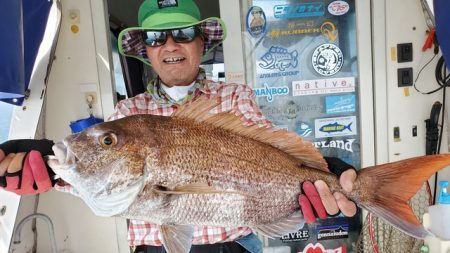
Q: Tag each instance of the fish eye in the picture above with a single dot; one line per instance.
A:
(108, 140)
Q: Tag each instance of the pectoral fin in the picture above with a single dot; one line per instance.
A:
(177, 238)
(283, 226)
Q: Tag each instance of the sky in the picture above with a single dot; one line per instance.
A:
(5, 119)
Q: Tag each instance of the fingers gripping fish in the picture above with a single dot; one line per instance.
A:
(197, 168)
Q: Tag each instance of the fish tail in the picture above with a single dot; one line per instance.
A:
(385, 190)
(349, 127)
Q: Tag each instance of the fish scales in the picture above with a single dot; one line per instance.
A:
(225, 161)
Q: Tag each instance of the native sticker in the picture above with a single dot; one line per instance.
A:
(327, 59)
(332, 127)
(256, 21)
(340, 104)
(323, 86)
(167, 3)
(338, 8)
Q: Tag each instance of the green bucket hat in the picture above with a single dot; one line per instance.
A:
(166, 15)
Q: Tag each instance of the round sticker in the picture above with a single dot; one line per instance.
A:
(327, 59)
(338, 8)
(256, 21)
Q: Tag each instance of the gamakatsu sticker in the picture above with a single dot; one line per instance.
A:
(327, 59)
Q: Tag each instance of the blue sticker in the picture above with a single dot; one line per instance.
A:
(335, 127)
(331, 232)
(330, 127)
(256, 21)
(302, 10)
(270, 92)
(279, 58)
(303, 129)
(340, 104)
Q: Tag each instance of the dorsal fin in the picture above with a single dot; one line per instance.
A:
(200, 110)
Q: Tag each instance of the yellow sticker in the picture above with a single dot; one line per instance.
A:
(406, 91)
(328, 30)
(74, 28)
(393, 53)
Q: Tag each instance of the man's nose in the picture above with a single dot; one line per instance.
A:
(170, 43)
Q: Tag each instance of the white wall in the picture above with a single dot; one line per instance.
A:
(80, 65)
(405, 23)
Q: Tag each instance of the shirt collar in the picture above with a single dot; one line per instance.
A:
(160, 95)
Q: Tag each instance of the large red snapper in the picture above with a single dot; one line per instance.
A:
(196, 168)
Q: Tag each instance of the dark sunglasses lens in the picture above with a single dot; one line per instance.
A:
(154, 38)
(184, 35)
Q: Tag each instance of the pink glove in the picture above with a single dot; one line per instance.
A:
(32, 179)
(311, 199)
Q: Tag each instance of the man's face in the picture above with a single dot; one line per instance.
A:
(177, 64)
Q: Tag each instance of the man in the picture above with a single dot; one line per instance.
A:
(172, 39)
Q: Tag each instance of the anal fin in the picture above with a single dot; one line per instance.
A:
(283, 226)
(177, 238)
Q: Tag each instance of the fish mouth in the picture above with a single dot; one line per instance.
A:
(64, 155)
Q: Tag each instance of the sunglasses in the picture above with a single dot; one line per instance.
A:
(154, 38)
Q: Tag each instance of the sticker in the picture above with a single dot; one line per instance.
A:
(167, 3)
(235, 77)
(256, 21)
(305, 23)
(279, 74)
(291, 110)
(346, 144)
(338, 8)
(331, 232)
(302, 10)
(319, 248)
(271, 111)
(331, 127)
(327, 59)
(270, 92)
(323, 86)
(279, 58)
(277, 32)
(301, 235)
(340, 104)
(328, 29)
(303, 129)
